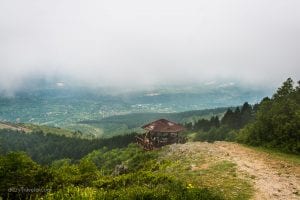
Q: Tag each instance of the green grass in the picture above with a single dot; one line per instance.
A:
(216, 175)
(277, 154)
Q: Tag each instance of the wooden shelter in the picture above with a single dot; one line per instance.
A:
(160, 133)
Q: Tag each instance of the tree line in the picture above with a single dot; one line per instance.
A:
(234, 119)
(274, 122)
(277, 121)
(45, 148)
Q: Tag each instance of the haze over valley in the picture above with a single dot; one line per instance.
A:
(156, 100)
(61, 104)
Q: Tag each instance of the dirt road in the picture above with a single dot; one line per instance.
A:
(272, 178)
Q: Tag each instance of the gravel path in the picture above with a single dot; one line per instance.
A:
(272, 178)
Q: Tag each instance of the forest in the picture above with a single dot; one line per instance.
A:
(272, 123)
(46, 148)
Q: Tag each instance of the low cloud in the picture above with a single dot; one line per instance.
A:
(142, 44)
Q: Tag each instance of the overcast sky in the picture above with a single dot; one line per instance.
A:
(137, 43)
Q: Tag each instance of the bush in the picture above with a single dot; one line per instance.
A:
(18, 174)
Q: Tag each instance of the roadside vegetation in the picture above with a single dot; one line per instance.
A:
(277, 154)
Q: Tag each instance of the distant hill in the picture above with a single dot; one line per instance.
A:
(33, 128)
(132, 122)
(113, 125)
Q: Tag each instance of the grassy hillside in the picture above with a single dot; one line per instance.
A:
(126, 173)
(15, 127)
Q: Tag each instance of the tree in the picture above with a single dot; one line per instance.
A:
(277, 122)
(286, 89)
(19, 173)
(246, 114)
(228, 118)
(215, 122)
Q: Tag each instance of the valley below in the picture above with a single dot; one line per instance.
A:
(102, 114)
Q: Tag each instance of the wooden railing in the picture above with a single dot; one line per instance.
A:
(145, 143)
(148, 144)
